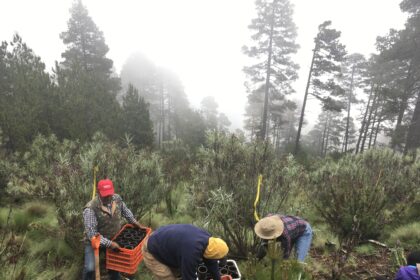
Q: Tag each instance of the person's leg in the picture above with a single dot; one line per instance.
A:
(304, 243)
(89, 264)
(159, 270)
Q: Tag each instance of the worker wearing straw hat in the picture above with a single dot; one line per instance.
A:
(290, 231)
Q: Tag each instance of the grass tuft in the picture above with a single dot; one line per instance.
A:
(36, 209)
(408, 236)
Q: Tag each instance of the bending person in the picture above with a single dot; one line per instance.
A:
(180, 248)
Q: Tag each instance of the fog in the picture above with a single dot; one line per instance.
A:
(199, 40)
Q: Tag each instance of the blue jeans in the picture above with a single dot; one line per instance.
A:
(303, 243)
(89, 266)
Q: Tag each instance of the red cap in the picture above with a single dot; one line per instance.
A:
(105, 187)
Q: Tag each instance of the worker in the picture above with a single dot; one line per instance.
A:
(178, 249)
(290, 231)
(103, 215)
(411, 270)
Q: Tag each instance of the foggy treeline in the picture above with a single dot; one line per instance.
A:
(366, 101)
(384, 87)
(84, 95)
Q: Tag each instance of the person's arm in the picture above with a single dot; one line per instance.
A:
(188, 267)
(91, 225)
(127, 214)
(261, 250)
(399, 275)
(286, 244)
(213, 268)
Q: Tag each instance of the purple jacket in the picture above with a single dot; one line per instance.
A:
(408, 272)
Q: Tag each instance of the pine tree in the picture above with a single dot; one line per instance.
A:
(223, 123)
(136, 119)
(25, 95)
(163, 90)
(399, 76)
(87, 85)
(209, 110)
(325, 68)
(271, 77)
(413, 34)
(354, 73)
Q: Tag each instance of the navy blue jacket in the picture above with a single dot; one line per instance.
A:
(182, 246)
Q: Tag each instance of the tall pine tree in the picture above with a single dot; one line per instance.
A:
(270, 78)
(87, 85)
(136, 119)
(328, 53)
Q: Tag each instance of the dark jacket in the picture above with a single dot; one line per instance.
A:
(182, 246)
(407, 273)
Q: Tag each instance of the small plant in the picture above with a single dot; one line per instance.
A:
(284, 270)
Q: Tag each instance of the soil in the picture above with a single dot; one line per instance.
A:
(360, 266)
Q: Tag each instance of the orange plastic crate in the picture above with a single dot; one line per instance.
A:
(127, 260)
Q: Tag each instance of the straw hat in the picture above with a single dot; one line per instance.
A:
(269, 227)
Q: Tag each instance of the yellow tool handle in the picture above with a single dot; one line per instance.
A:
(97, 270)
(95, 169)
(257, 198)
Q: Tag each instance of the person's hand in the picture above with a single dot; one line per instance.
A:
(115, 247)
(261, 252)
(138, 225)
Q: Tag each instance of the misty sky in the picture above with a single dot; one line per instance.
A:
(199, 40)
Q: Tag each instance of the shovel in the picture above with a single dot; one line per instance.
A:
(95, 241)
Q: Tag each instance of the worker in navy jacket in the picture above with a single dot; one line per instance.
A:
(181, 248)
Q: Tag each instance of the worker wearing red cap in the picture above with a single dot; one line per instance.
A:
(103, 215)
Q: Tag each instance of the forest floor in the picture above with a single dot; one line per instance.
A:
(374, 265)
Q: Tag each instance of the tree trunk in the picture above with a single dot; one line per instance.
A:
(302, 114)
(371, 130)
(397, 136)
(377, 130)
(375, 116)
(413, 136)
(267, 79)
(324, 136)
(169, 118)
(362, 128)
(348, 110)
(162, 117)
(327, 135)
(368, 121)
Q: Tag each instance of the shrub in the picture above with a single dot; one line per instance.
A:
(61, 172)
(359, 194)
(21, 220)
(225, 177)
(36, 209)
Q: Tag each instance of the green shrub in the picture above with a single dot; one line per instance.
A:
(21, 220)
(36, 209)
(406, 236)
(61, 172)
(4, 216)
(323, 238)
(359, 194)
(224, 185)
